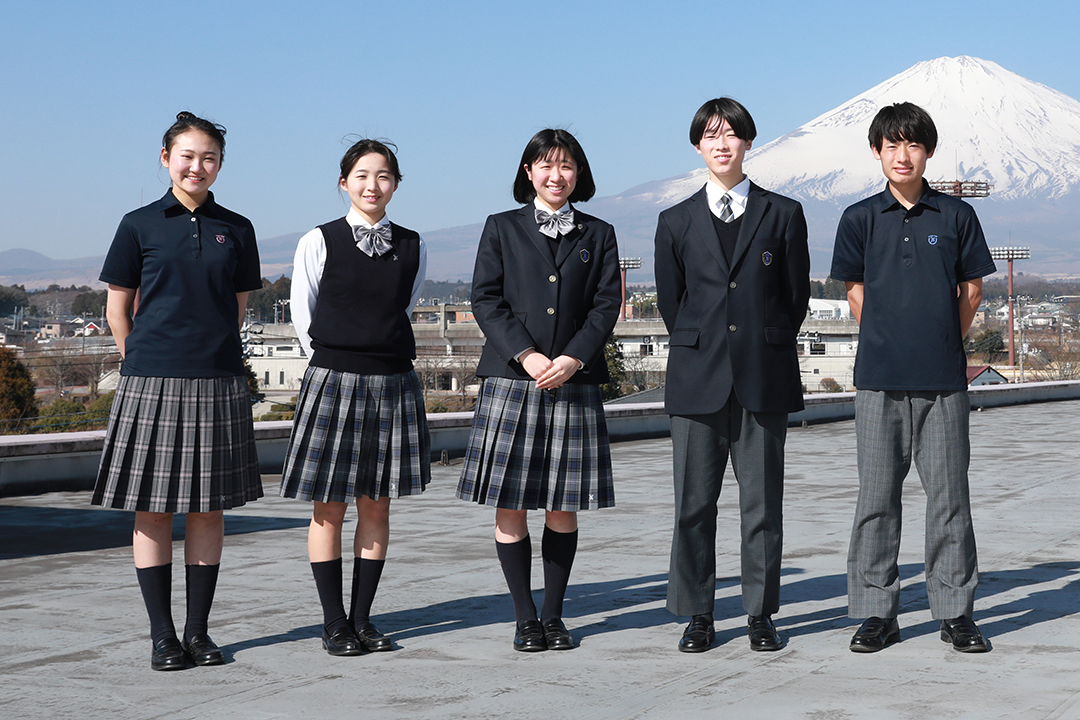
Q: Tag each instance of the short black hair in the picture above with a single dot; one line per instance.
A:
(542, 145)
(718, 110)
(366, 146)
(185, 122)
(903, 121)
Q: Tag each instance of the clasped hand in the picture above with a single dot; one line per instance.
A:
(549, 374)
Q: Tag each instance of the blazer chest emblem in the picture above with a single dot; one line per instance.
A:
(766, 258)
(585, 256)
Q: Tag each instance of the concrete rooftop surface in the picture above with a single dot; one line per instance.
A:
(75, 634)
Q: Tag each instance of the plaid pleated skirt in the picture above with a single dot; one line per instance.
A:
(179, 445)
(357, 435)
(532, 449)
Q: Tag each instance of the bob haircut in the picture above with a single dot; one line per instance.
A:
(185, 122)
(903, 121)
(714, 112)
(542, 145)
(366, 146)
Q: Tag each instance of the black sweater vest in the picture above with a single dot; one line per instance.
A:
(360, 324)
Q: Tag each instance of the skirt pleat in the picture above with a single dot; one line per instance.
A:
(357, 435)
(531, 449)
(179, 445)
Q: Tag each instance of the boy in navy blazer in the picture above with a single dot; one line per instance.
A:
(733, 285)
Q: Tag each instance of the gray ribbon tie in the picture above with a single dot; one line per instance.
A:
(373, 241)
(554, 223)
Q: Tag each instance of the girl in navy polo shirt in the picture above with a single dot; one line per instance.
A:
(546, 293)
(360, 430)
(180, 436)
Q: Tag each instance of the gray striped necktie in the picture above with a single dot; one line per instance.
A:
(726, 213)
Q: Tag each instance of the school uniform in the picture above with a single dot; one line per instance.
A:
(360, 427)
(530, 448)
(180, 435)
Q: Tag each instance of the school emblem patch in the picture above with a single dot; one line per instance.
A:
(932, 239)
(766, 257)
(584, 255)
(220, 239)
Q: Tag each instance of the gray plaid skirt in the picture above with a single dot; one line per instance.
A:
(179, 445)
(357, 435)
(532, 449)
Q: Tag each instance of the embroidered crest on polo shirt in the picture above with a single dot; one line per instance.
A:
(220, 239)
(932, 239)
(766, 257)
(585, 255)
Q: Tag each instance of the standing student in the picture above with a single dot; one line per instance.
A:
(546, 293)
(180, 437)
(913, 260)
(360, 430)
(732, 284)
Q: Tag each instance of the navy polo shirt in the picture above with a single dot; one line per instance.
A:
(189, 266)
(910, 262)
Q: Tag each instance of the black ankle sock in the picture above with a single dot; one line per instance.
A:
(558, 550)
(328, 582)
(516, 561)
(156, 585)
(201, 583)
(365, 583)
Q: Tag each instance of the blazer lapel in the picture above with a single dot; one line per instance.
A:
(532, 231)
(756, 205)
(701, 221)
(570, 241)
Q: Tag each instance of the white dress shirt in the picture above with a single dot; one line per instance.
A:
(738, 197)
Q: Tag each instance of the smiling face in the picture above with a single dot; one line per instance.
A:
(904, 163)
(370, 185)
(193, 162)
(723, 152)
(554, 178)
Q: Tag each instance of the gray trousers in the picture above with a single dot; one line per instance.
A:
(892, 430)
(701, 445)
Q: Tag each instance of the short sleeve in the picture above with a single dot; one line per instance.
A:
(123, 264)
(248, 273)
(849, 250)
(975, 260)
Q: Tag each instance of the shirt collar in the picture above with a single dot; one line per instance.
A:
(354, 219)
(541, 206)
(885, 200)
(170, 204)
(738, 195)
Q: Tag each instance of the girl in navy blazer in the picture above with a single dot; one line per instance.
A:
(546, 293)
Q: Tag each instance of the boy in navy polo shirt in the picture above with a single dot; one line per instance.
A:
(913, 260)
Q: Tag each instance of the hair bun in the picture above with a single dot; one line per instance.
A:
(185, 115)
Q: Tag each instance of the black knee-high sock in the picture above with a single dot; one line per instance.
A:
(201, 583)
(156, 585)
(365, 583)
(558, 550)
(516, 561)
(328, 582)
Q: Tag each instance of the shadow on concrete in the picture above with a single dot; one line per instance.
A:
(37, 531)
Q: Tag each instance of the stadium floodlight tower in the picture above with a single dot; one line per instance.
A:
(626, 263)
(1010, 254)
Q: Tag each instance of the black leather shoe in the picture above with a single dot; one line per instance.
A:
(698, 635)
(875, 634)
(202, 650)
(529, 637)
(342, 643)
(963, 634)
(556, 636)
(167, 655)
(762, 633)
(372, 639)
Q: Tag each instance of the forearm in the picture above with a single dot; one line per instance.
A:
(855, 299)
(970, 299)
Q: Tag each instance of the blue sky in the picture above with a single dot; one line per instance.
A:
(88, 89)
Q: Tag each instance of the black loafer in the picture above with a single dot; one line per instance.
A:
(372, 639)
(167, 654)
(698, 635)
(964, 635)
(202, 650)
(343, 643)
(529, 637)
(762, 632)
(875, 634)
(556, 636)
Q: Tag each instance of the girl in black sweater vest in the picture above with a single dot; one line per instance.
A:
(360, 429)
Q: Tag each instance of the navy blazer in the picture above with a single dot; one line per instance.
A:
(733, 323)
(523, 297)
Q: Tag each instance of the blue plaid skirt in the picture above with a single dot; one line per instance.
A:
(532, 449)
(357, 435)
(179, 445)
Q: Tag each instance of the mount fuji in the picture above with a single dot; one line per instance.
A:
(993, 126)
